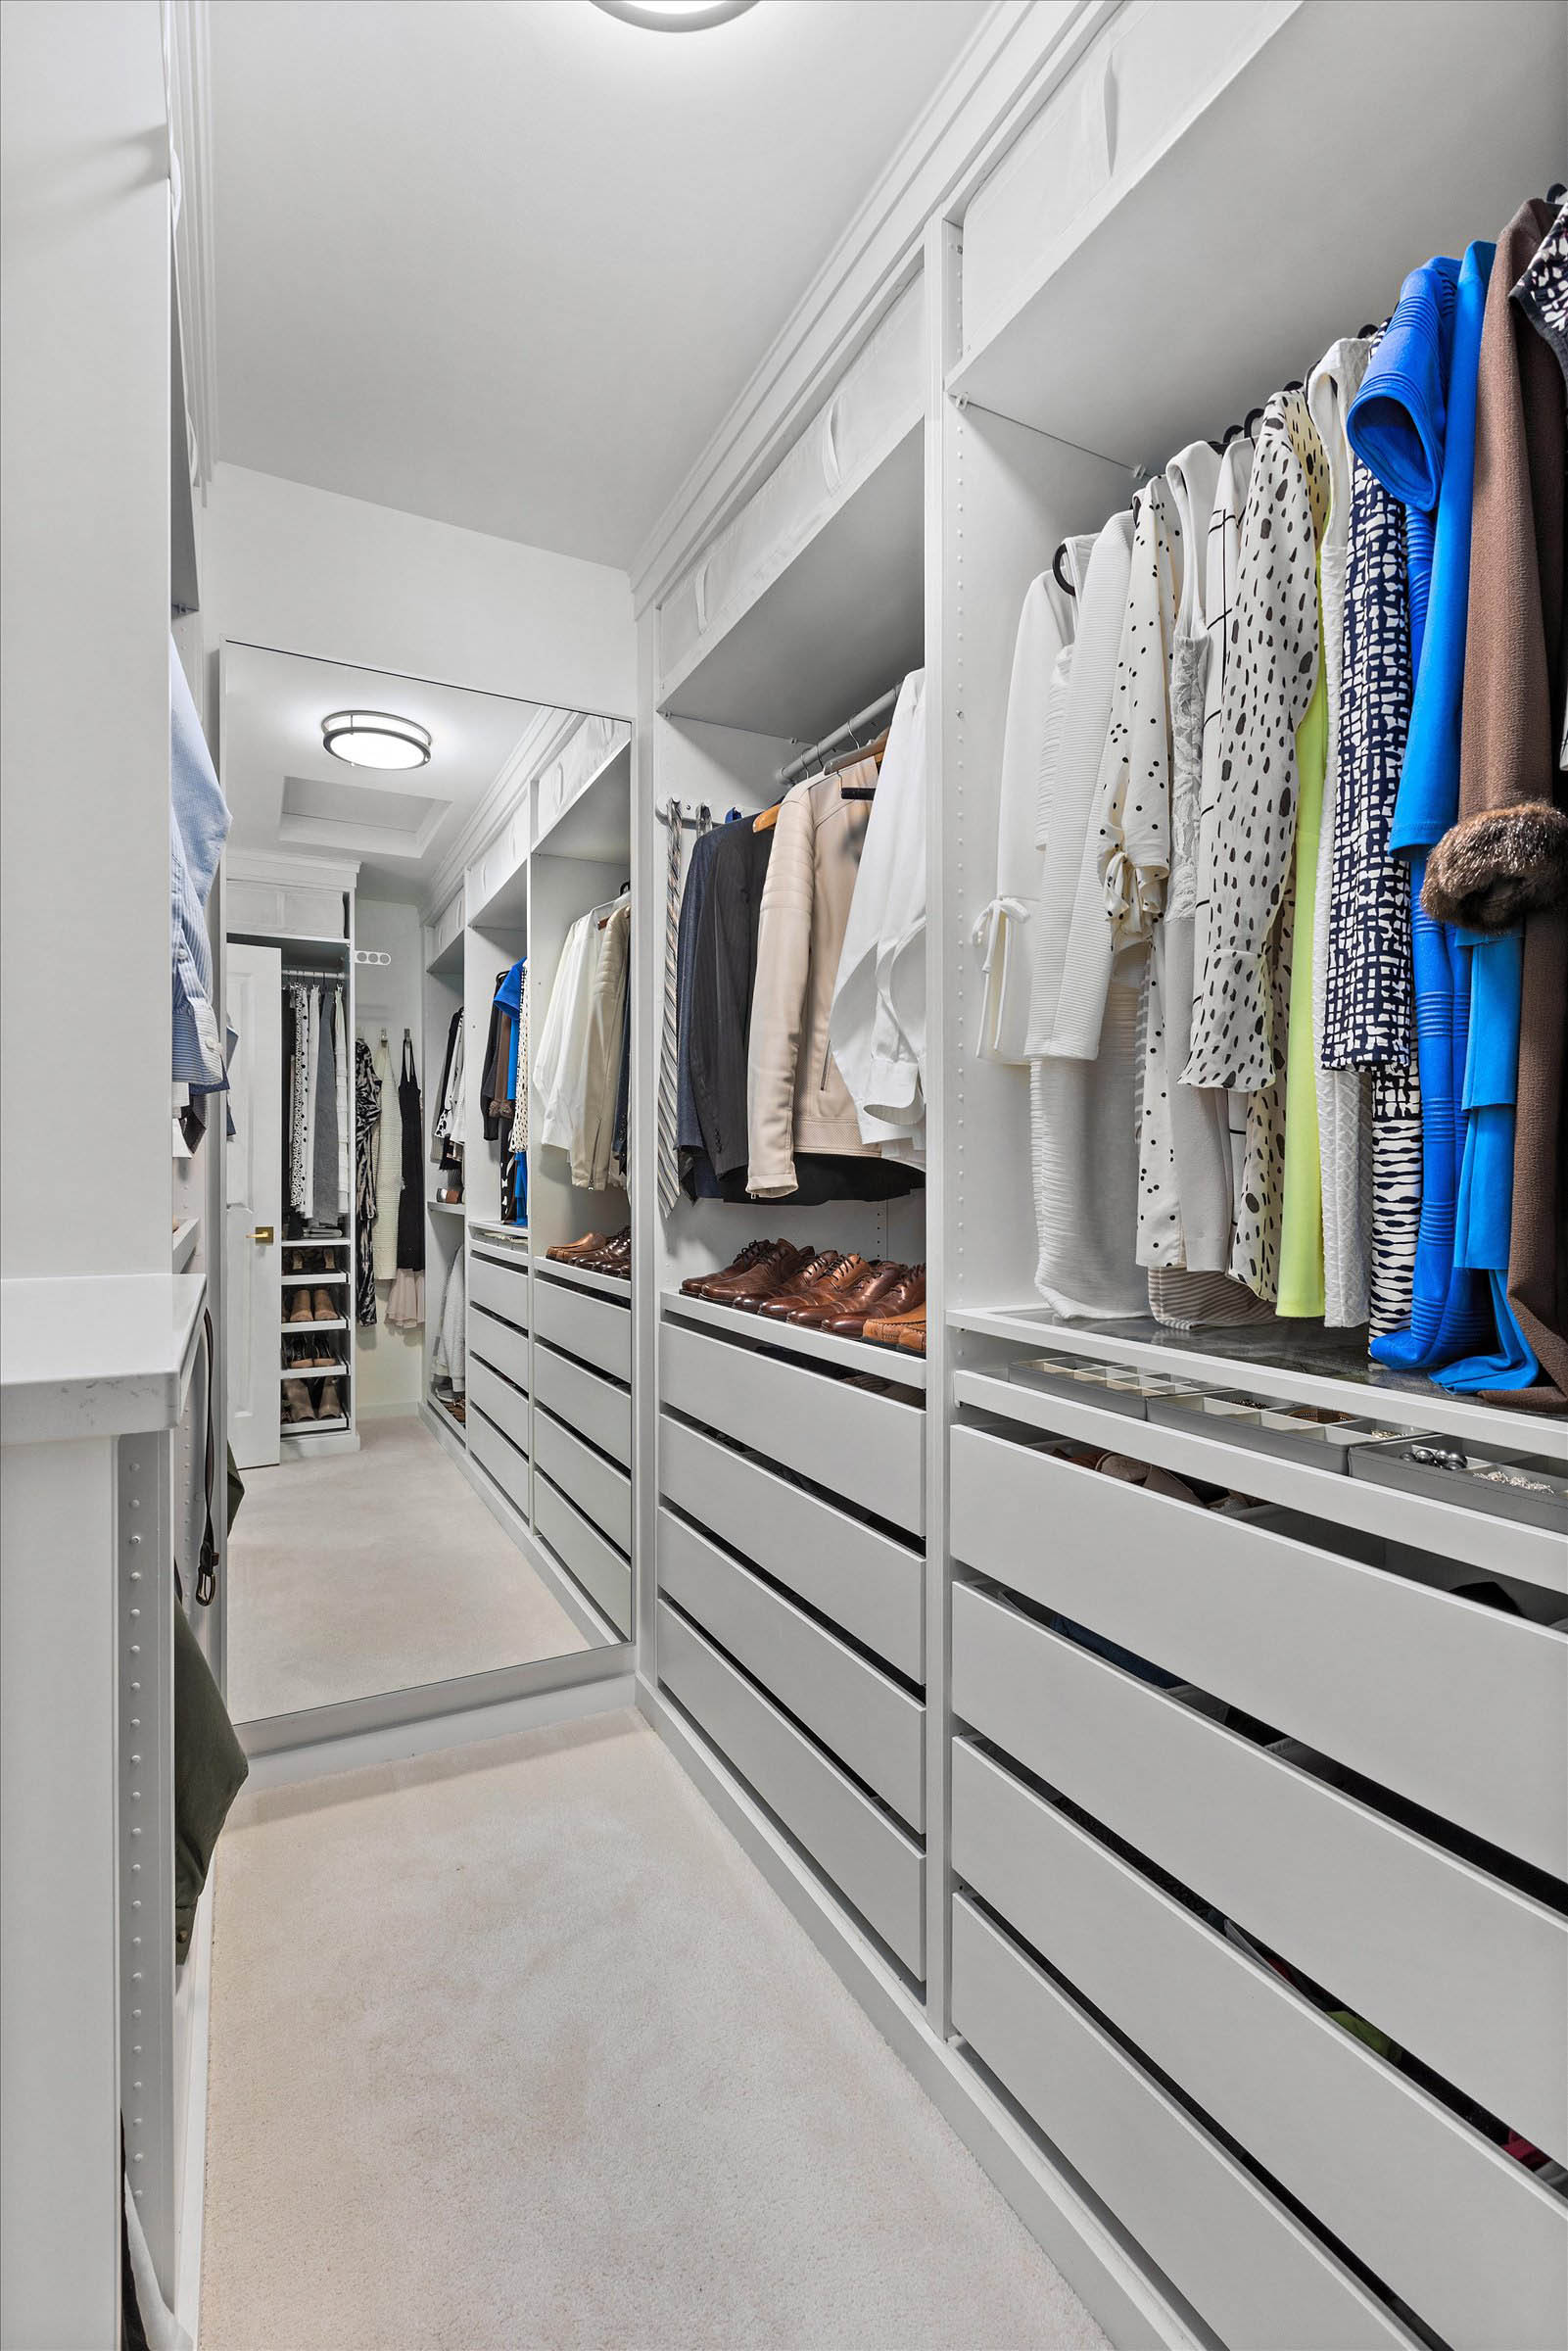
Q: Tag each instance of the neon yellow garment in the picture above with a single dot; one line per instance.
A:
(1301, 1236)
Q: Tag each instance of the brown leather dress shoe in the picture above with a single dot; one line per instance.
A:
(906, 1332)
(825, 1276)
(906, 1296)
(862, 1295)
(761, 1280)
(697, 1285)
(589, 1246)
(812, 1267)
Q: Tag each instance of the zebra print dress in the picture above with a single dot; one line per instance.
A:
(367, 1116)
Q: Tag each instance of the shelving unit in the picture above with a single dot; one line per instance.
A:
(186, 1235)
(819, 1346)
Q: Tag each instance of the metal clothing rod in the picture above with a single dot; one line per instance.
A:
(797, 767)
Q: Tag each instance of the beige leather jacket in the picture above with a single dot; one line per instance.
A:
(795, 1098)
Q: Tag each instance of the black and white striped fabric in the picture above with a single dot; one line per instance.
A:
(1396, 1196)
(366, 1118)
(669, 1155)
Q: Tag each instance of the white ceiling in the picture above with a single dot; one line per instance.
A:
(508, 262)
(287, 792)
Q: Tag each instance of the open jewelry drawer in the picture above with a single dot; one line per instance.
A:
(1449, 1702)
(597, 1330)
(853, 1574)
(595, 1407)
(601, 1491)
(871, 1725)
(876, 1865)
(1466, 1970)
(500, 1285)
(1449, 2222)
(870, 1449)
(605, 1574)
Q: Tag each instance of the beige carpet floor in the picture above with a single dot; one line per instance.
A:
(376, 1570)
(515, 2050)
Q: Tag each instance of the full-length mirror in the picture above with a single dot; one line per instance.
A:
(426, 929)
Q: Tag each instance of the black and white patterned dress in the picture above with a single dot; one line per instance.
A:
(366, 1118)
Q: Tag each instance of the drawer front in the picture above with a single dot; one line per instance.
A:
(600, 1411)
(866, 1720)
(1466, 1972)
(596, 1330)
(1393, 2176)
(499, 1344)
(499, 1402)
(1451, 1704)
(499, 1285)
(1250, 2268)
(879, 1869)
(604, 1576)
(507, 1463)
(598, 1489)
(861, 1578)
(866, 1447)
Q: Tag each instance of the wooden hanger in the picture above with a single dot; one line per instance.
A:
(768, 819)
(868, 750)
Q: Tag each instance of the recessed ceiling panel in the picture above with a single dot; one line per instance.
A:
(379, 805)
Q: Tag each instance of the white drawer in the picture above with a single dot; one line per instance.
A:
(596, 1330)
(500, 1285)
(1452, 1703)
(604, 1576)
(1262, 2281)
(499, 1402)
(597, 1486)
(870, 1449)
(867, 1721)
(596, 1408)
(1448, 2221)
(500, 1344)
(1466, 1972)
(495, 1454)
(863, 1580)
(877, 1867)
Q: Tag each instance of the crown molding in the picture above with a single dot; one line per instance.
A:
(1012, 62)
(188, 69)
(544, 739)
(317, 873)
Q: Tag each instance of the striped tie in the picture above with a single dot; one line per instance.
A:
(669, 1157)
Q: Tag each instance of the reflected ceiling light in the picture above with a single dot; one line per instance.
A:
(675, 16)
(376, 739)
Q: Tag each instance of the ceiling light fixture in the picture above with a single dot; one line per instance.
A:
(675, 16)
(376, 739)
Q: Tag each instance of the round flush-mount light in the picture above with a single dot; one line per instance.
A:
(376, 739)
(675, 16)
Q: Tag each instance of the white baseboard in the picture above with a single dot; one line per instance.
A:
(395, 1408)
(1097, 2261)
(394, 1743)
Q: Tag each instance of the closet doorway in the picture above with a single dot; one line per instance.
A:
(427, 985)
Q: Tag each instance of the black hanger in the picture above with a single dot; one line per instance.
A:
(1367, 331)
(1252, 418)
(1232, 432)
(1218, 447)
(1556, 192)
(1057, 574)
(1295, 384)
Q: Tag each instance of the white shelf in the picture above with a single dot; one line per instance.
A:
(298, 1329)
(1343, 1378)
(508, 1236)
(608, 1286)
(314, 1371)
(446, 1207)
(315, 1428)
(308, 1281)
(185, 1237)
(326, 1240)
(85, 1356)
(817, 1346)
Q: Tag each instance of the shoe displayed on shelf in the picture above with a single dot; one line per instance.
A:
(301, 1309)
(824, 1278)
(906, 1330)
(615, 1257)
(325, 1307)
(566, 1252)
(696, 1285)
(331, 1406)
(864, 1294)
(296, 1404)
(761, 1279)
(905, 1297)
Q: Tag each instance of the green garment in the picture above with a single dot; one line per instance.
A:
(1301, 1236)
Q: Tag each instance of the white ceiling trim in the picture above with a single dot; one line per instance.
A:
(1003, 77)
(189, 76)
(545, 738)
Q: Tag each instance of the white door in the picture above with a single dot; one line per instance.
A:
(253, 1210)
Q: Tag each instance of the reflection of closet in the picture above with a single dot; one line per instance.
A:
(534, 1398)
(1111, 1814)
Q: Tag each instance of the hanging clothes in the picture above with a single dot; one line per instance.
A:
(405, 1306)
(387, 1147)
(368, 1123)
(324, 1115)
(876, 1020)
(694, 1167)
(594, 1163)
(296, 1127)
(198, 827)
(723, 993)
(449, 1357)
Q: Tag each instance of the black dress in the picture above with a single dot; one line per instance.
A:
(411, 1199)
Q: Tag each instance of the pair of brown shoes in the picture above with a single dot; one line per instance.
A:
(296, 1404)
(309, 1355)
(822, 1290)
(322, 1309)
(598, 1252)
(906, 1330)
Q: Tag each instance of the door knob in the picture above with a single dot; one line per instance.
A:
(263, 1233)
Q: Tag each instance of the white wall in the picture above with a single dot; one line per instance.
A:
(388, 1363)
(312, 572)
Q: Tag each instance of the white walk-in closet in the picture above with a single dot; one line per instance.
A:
(807, 762)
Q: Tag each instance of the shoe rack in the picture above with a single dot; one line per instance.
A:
(319, 1272)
